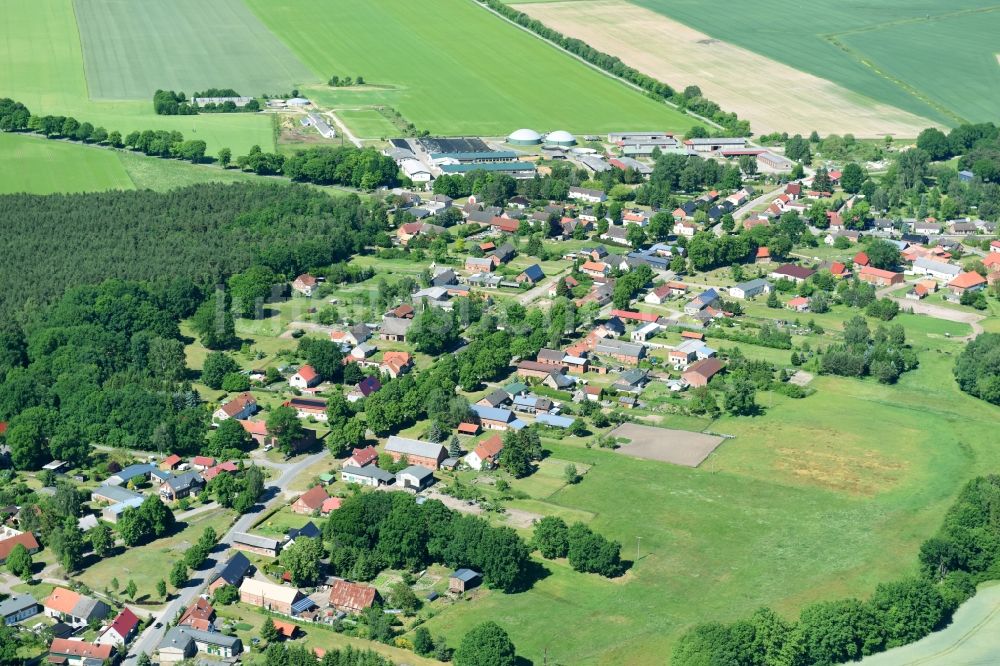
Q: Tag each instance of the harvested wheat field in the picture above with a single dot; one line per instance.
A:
(772, 96)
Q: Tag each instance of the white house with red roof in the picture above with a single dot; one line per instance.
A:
(121, 631)
(486, 453)
(305, 284)
(241, 407)
(362, 457)
(306, 377)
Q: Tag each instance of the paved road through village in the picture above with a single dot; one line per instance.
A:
(151, 637)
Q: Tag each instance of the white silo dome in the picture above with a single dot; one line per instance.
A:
(560, 138)
(525, 137)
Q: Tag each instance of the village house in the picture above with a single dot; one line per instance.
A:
(494, 398)
(363, 389)
(416, 452)
(497, 419)
(553, 290)
(74, 609)
(17, 608)
(354, 336)
(305, 284)
(182, 485)
(664, 292)
(310, 501)
(121, 631)
(645, 332)
(797, 274)
(530, 404)
(396, 363)
(241, 407)
(587, 194)
(879, 277)
(348, 597)
(394, 330)
(577, 365)
(530, 275)
(171, 462)
(701, 301)
(967, 282)
(308, 407)
(699, 373)
(763, 256)
(235, 570)
(596, 269)
(798, 304)
(78, 653)
(486, 454)
(182, 643)
(361, 457)
(9, 538)
(304, 378)
(750, 289)
(369, 475)
(275, 598)
(481, 264)
(200, 615)
(258, 545)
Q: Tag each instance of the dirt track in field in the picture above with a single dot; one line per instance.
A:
(772, 96)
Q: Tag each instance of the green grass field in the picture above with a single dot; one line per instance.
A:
(40, 166)
(937, 60)
(44, 68)
(819, 498)
(367, 123)
(509, 79)
(130, 50)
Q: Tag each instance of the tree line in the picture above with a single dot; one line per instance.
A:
(899, 612)
(694, 100)
(363, 168)
(170, 103)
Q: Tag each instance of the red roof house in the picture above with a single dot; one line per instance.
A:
(309, 501)
(26, 539)
(861, 259)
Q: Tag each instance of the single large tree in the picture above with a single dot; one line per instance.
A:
(486, 644)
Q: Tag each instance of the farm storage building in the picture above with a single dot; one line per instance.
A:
(524, 137)
(560, 138)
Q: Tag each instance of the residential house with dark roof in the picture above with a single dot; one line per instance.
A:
(494, 398)
(182, 485)
(182, 643)
(530, 275)
(18, 607)
(394, 330)
(233, 572)
(369, 475)
(792, 272)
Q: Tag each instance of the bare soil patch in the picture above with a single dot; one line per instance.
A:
(679, 447)
(801, 378)
(864, 474)
(772, 96)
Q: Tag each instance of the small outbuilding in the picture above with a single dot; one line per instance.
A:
(464, 580)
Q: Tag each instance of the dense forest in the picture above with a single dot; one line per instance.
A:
(202, 233)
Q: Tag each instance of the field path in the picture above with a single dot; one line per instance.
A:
(772, 96)
(937, 311)
(971, 638)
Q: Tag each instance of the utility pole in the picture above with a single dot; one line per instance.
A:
(638, 540)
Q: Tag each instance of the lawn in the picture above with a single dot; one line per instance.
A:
(42, 166)
(868, 48)
(818, 498)
(367, 123)
(509, 80)
(162, 175)
(44, 68)
(131, 50)
(148, 564)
